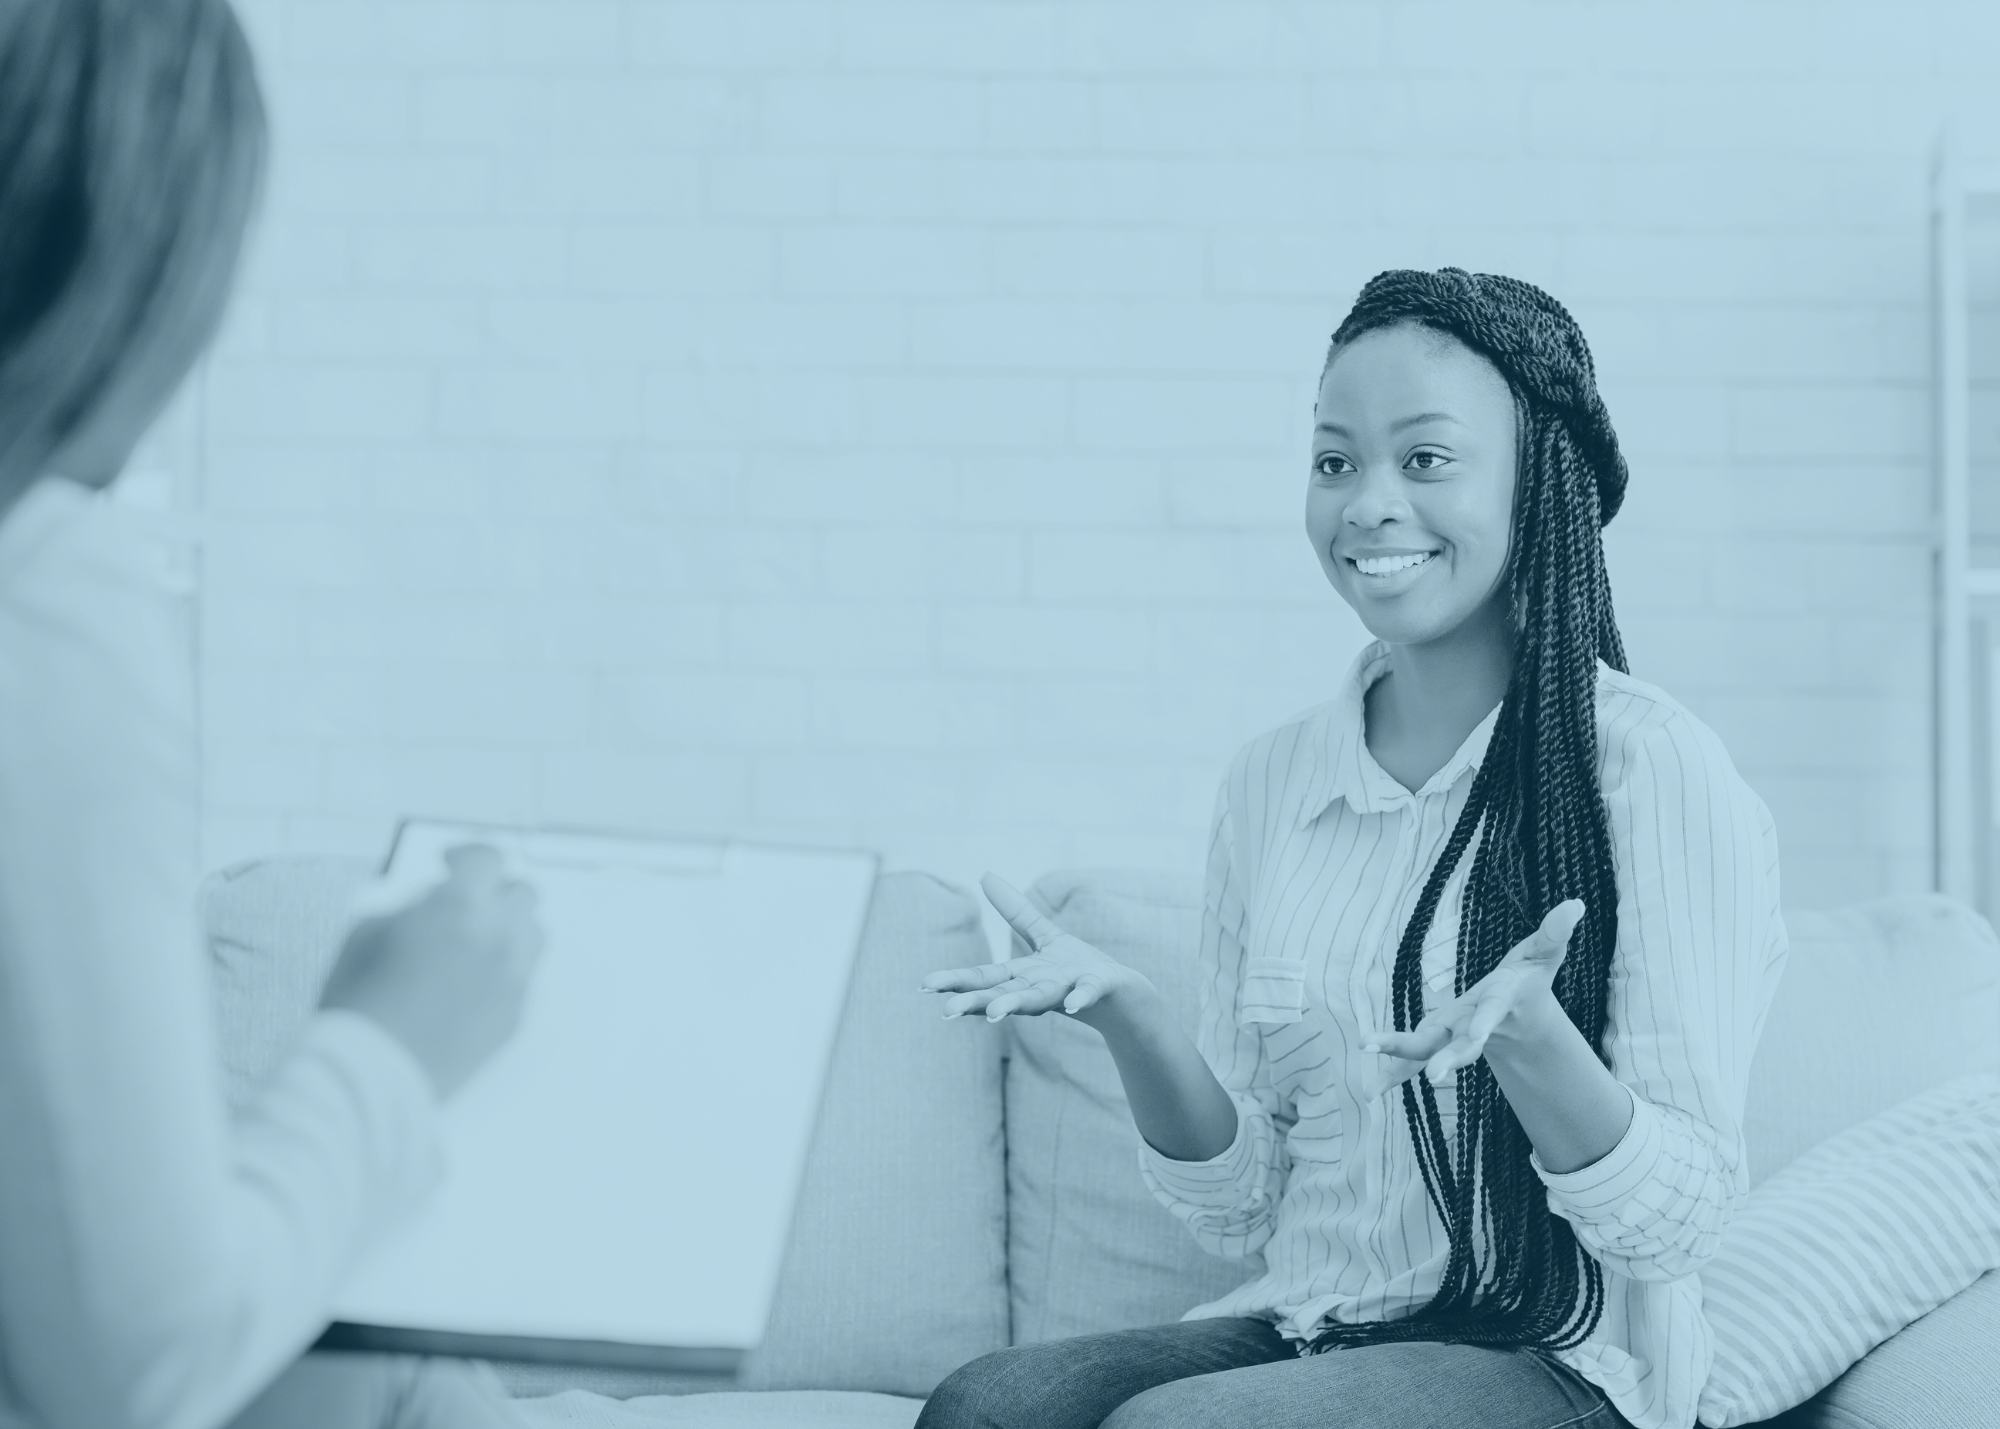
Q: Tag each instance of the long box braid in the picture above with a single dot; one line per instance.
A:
(1535, 813)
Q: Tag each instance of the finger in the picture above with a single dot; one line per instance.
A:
(1550, 942)
(1392, 1073)
(478, 864)
(1021, 915)
(970, 979)
(975, 1001)
(1042, 995)
(1089, 988)
(1487, 1016)
(1413, 1046)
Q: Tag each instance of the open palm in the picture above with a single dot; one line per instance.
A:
(1454, 1034)
(1061, 970)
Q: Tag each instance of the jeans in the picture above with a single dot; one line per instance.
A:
(1231, 1373)
(331, 1390)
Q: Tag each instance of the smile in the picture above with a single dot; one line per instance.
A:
(1390, 565)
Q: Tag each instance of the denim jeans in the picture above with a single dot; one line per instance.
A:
(1234, 1373)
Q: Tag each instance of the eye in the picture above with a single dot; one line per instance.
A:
(1332, 464)
(1424, 459)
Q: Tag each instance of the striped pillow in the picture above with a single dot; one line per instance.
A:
(1866, 1232)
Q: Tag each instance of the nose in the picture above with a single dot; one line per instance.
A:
(1377, 498)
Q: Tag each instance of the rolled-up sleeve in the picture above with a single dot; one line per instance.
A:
(1700, 945)
(1230, 1201)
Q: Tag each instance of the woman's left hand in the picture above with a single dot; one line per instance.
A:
(1454, 1034)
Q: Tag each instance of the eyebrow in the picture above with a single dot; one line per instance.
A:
(1396, 426)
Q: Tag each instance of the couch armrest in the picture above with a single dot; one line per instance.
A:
(1943, 1369)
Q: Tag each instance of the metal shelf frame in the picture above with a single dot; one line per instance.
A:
(1958, 838)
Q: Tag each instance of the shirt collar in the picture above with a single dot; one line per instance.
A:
(1343, 767)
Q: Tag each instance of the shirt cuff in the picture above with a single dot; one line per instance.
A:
(1217, 1181)
(402, 1114)
(1593, 1192)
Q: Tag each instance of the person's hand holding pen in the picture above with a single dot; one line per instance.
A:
(446, 975)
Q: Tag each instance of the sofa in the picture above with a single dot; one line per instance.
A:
(968, 1186)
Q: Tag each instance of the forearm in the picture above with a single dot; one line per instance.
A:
(1572, 1108)
(1181, 1110)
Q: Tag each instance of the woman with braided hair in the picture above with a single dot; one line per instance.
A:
(1487, 941)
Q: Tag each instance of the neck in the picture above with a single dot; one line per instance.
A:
(1448, 685)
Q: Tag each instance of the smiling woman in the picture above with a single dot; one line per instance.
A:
(1496, 872)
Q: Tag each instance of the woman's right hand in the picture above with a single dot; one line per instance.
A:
(1060, 971)
(447, 975)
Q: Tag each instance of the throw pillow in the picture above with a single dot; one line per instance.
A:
(1923, 964)
(1088, 1248)
(1851, 1242)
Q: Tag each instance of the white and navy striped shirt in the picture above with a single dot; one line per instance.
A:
(1316, 861)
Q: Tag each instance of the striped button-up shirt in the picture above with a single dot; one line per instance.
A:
(1315, 863)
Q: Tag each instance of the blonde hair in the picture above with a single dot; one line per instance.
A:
(132, 136)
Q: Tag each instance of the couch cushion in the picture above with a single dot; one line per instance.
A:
(1853, 1241)
(895, 1272)
(1939, 1371)
(1088, 1248)
(1879, 1001)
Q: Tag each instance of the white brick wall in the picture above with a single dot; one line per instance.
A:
(874, 422)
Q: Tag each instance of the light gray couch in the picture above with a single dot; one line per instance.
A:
(969, 1187)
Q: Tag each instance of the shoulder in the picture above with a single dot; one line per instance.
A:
(1651, 747)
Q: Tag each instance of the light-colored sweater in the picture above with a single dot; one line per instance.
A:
(158, 1264)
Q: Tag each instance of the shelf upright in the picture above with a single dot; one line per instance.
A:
(1955, 806)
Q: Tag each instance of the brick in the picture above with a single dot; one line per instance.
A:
(385, 329)
(847, 637)
(943, 411)
(565, 633)
(917, 563)
(699, 796)
(1035, 640)
(730, 36)
(302, 401)
(521, 403)
(1083, 264)
(884, 262)
(869, 111)
(1059, 489)
(262, 776)
(1201, 414)
(978, 38)
(644, 259)
(925, 713)
(846, 789)
(442, 780)
(438, 629)
(433, 256)
(1166, 569)
(1730, 652)
(735, 712)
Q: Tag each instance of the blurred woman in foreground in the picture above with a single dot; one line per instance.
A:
(160, 1266)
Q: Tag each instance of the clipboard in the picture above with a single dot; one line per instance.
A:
(621, 1176)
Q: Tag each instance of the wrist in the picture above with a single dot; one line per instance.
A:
(1128, 1007)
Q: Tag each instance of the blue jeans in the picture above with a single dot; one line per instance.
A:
(1236, 1373)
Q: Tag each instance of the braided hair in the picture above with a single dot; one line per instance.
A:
(1537, 801)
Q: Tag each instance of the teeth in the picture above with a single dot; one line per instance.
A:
(1389, 565)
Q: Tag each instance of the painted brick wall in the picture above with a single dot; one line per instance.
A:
(886, 422)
